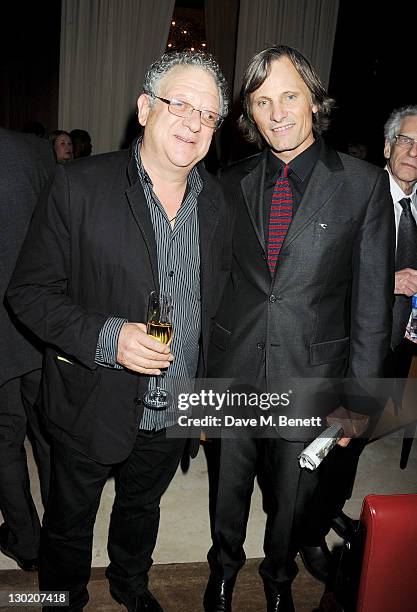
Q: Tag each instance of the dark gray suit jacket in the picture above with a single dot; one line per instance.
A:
(327, 311)
(91, 253)
(26, 164)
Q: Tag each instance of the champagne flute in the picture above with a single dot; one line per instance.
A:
(159, 326)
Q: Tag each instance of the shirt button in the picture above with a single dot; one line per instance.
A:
(260, 346)
(272, 298)
(171, 274)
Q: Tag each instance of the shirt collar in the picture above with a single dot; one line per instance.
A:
(301, 166)
(141, 170)
(194, 180)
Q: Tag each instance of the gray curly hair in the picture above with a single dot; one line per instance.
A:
(205, 61)
(257, 72)
(393, 123)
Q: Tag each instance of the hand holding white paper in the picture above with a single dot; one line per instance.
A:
(314, 453)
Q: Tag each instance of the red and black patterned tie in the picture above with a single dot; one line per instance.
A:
(279, 218)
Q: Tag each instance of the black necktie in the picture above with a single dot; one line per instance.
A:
(406, 257)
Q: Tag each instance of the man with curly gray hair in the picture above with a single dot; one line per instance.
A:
(159, 69)
(114, 229)
(309, 297)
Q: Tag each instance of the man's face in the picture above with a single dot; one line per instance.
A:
(357, 150)
(63, 147)
(282, 109)
(402, 160)
(178, 143)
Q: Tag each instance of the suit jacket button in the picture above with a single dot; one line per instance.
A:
(138, 401)
(272, 298)
(260, 346)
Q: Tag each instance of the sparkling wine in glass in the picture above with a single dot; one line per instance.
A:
(159, 326)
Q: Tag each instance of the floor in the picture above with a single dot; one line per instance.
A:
(184, 530)
(178, 588)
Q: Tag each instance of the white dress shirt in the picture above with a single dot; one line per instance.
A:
(398, 194)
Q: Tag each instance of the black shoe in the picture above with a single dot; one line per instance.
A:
(218, 595)
(279, 600)
(145, 602)
(316, 560)
(28, 565)
(344, 526)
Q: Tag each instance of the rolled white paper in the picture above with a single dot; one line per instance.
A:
(318, 449)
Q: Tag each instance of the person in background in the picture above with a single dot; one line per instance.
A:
(26, 166)
(400, 151)
(62, 145)
(81, 143)
(34, 127)
(313, 247)
(358, 149)
(115, 228)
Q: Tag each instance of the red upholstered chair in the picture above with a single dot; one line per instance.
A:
(388, 580)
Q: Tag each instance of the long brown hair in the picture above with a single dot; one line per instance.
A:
(257, 71)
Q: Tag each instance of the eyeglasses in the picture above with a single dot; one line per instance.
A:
(184, 109)
(404, 141)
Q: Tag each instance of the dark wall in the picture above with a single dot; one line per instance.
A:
(373, 70)
(29, 63)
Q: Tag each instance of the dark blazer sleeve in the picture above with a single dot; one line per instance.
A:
(40, 288)
(26, 168)
(373, 274)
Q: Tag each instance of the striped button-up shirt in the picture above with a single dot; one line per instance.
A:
(179, 275)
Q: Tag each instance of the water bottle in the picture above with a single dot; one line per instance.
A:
(413, 320)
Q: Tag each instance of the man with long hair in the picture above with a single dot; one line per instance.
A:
(309, 296)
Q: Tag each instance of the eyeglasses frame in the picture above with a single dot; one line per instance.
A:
(192, 109)
(410, 144)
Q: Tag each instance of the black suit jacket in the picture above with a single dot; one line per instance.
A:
(327, 311)
(26, 165)
(91, 253)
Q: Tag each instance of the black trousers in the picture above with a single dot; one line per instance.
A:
(18, 417)
(76, 486)
(286, 493)
(398, 366)
(336, 475)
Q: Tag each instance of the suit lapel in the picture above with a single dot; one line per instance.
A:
(253, 193)
(324, 181)
(140, 211)
(208, 218)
